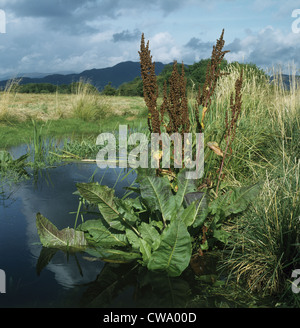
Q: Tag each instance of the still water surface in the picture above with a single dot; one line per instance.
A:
(63, 280)
(41, 277)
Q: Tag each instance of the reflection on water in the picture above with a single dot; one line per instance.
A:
(49, 192)
(41, 277)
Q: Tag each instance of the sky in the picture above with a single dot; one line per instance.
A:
(50, 36)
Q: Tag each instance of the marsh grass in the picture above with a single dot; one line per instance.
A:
(7, 97)
(55, 112)
(262, 250)
(264, 243)
(86, 103)
(269, 115)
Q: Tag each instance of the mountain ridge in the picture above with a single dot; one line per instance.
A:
(118, 74)
(99, 77)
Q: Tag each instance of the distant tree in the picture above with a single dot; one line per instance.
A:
(37, 88)
(196, 72)
(132, 89)
(109, 90)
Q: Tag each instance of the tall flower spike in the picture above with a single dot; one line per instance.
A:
(213, 72)
(150, 86)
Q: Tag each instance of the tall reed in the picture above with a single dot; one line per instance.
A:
(264, 245)
(6, 98)
(86, 102)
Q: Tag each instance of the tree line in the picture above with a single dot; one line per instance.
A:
(195, 75)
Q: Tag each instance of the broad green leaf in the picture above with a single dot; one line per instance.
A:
(218, 219)
(157, 224)
(102, 196)
(126, 210)
(97, 233)
(145, 249)
(184, 186)
(150, 235)
(200, 213)
(195, 214)
(236, 200)
(221, 235)
(113, 255)
(157, 193)
(204, 246)
(188, 215)
(201, 209)
(174, 252)
(50, 236)
(133, 239)
(134, 203)
(143, 173)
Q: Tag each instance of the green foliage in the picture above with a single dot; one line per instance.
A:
(236, 200)
(37, 88)
(86, 104)
(232, 202)
(174, 252)
(109, 90)
(196, 73)
(156, 227)
(264, 247)
(250, 70)
(50, 236)
(132, 89)
(158, 234)
(50, 88)
(9, 165)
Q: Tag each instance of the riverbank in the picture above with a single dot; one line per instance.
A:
(260, 246)
(64, 115)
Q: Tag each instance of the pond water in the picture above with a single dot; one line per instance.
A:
(40, 277)
(49, 192)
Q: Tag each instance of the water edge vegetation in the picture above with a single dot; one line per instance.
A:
(251, 129)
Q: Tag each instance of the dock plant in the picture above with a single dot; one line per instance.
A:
(160, 227)
(156, 228)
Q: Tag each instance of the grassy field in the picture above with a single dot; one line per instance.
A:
(64, 115)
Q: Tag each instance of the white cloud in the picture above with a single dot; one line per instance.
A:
(164, 48)
(267, 48)
(80, 35)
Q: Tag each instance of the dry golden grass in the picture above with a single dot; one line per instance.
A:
(44, 107)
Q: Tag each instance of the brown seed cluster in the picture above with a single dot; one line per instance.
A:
(175, 103)
(150, 86)
(231, 123)
(213, 73)
(235, 108)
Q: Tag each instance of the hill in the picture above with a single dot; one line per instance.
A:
(117, 75)
(286, 80)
